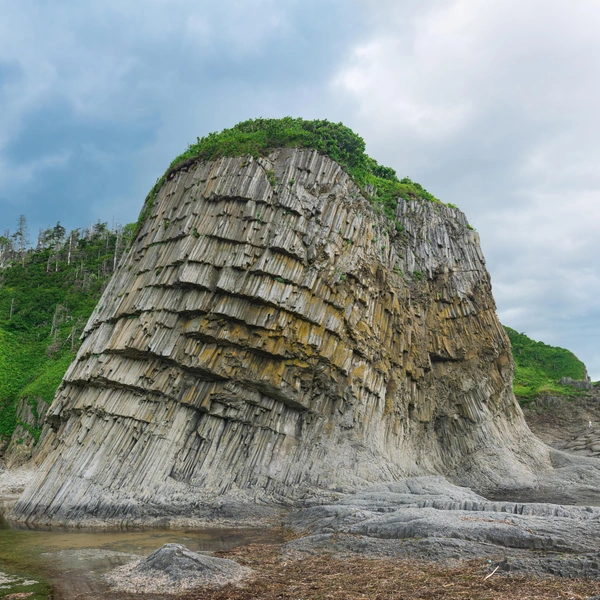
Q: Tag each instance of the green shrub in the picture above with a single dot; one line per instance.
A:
(259, 137)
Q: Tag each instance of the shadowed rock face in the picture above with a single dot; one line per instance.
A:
(271, 338)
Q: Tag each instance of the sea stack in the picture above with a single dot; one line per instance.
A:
(273, 337)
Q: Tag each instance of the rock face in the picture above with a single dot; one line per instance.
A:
(559, 421)
(585, 384)
(30, 416)
(428, 518)
(271, 337)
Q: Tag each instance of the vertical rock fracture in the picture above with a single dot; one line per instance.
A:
(269, 338)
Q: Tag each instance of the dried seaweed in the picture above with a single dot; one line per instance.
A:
(327, 578)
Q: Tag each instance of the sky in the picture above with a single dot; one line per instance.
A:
(492, 105)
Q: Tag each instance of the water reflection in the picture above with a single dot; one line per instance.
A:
(73, 560)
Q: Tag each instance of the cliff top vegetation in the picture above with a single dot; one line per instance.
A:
(539, 367)
(259, 137)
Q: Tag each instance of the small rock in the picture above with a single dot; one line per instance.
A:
(173, 569)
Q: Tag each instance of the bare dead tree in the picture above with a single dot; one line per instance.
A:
(22, 237)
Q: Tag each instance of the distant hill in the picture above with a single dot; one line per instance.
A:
(47, 293)
(539, 367)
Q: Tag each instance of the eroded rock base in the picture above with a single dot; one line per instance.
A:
(429, 518)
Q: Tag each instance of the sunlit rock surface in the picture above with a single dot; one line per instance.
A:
(269, 339)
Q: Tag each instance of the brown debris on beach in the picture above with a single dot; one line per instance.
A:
(328, 578)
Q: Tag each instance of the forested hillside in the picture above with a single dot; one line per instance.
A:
(47, 293)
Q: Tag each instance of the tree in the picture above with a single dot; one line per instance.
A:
(22, 237)
(58, 236)
(6, 248)
(44, 239)
(73, 237)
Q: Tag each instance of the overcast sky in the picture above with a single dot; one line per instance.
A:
(493, 105)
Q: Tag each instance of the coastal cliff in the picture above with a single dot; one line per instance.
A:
(273, 338)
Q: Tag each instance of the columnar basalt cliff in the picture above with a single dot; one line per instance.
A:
(271, 338)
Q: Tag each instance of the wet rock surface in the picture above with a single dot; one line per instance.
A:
(429, 518)
(173, 569)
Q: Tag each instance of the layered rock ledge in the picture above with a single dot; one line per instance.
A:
(428, 518)
(272, 339)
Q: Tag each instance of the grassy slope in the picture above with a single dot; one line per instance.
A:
(50, 306)
(259, 137)
(539, 367)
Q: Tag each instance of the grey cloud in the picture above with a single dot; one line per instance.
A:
(116, 91)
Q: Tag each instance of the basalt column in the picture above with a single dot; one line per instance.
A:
(271, 337)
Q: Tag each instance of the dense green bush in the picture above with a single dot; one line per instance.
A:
(259, 137)
(539, 368)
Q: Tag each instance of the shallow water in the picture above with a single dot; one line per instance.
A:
(71, 562)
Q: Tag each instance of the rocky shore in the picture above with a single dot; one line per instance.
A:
(429, 519)
(357, 578)
(421, 518)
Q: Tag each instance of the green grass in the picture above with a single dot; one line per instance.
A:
(539, 368)
(18, 361)
(259, 137)
(48, 376)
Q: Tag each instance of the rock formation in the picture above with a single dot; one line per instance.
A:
(428, 518)
(271, 337)
(30, 417)
(173, 569)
